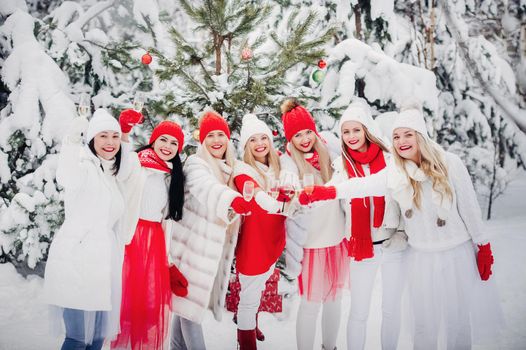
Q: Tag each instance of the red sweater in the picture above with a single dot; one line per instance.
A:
(261, 238)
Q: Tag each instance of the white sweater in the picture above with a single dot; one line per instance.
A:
(464, 220)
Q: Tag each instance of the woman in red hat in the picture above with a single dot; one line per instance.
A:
(203, 242)
(318, 236)
(156, 195)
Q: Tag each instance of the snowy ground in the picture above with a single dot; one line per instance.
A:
(23, 316)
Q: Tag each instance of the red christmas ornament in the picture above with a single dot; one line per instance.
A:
(246, 54)
(322, 64)
(146, 58)
(275, 133)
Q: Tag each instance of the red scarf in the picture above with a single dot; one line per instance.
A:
(150, 159)
(314, 160)
(361, 243)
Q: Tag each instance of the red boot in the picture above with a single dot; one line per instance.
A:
(246, 339)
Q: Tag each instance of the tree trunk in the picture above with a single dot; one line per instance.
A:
(358, 21)
(218, 42)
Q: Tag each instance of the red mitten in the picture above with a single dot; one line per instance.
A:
(484, 261)
(128, 119)
(283, 196)
(323, 193)
(304, 198)
(240, 206)
(178, 282)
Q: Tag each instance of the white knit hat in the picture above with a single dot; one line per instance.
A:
(250, 126)
(101, 121)
(413, 119)
(359, 111)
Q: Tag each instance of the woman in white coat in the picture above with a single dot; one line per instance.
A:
(203, 242)
(323, 251)
(83, 271)
(449, 256)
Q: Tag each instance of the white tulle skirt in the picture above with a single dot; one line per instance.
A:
(448, 305)
(107, 324)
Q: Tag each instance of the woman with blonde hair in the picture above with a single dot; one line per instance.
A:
(319, 233)
(449, 252)
(262, 234)
(203, 241)
(377, 239)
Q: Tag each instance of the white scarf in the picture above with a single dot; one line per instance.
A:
(400, 188)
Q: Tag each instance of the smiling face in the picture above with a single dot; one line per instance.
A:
(406, 145)
(304, 140)
(353, 136)
(107, 144)
(166, 147)
(259, 146)
(216, 142)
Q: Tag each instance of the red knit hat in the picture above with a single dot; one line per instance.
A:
(211, 121)
(296, 118)
(169, 128)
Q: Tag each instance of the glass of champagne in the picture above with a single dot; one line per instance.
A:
(287, 185)
(139, 100)
(308, 183)
(248, 191)
(274, 188)
(84, 105)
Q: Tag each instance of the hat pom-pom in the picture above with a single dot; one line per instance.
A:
(411, 103)
(289, 104)
(249, 117)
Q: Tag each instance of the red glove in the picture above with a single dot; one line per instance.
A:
(178, 282)
(128, 119)
(240, 206)
(484, 261)
(283, 196)
(320, 193)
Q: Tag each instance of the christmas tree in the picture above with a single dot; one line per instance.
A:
(238, 65)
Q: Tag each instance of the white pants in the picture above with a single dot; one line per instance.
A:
(363, 274)
(250, 298)
(186, 335)
(307, 319)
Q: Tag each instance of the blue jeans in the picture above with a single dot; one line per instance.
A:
(75, 332)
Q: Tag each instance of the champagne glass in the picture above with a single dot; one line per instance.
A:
(84, 105)
(287, 185)
(139, 100)
(308, 183)
(274, 188)
(248, 191)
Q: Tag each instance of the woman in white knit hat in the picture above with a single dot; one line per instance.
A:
(377, 239)
(450, 258)
(83, 272)
(262, 234)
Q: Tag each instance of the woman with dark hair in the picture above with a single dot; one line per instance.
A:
(83, 271)
(156, 194)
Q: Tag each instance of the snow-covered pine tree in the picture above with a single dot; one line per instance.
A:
(46, 62)
(234, 63)
(470, 46)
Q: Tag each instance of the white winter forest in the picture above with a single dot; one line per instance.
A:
(463, 61)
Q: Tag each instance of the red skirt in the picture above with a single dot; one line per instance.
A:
(146, 294)
(325, 272)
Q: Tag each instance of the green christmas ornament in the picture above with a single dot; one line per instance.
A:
(318, 75)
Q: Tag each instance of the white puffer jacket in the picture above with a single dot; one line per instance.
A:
(85, 258)
(203, 242)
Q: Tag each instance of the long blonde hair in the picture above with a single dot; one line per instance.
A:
(273, 163)
(433, 164)
(305, 168)
(213, 162)
(369, 138)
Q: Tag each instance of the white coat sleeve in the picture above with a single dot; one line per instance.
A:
(71, 171)
(374, 185)
(206, 188)
(467, 203)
